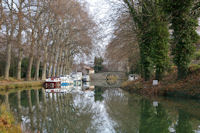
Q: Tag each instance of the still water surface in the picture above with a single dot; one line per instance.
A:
(102, 110)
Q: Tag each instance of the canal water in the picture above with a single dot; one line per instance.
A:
(101, 110)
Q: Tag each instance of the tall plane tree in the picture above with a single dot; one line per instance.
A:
(153, 35)
(10, 29)
(184, 22)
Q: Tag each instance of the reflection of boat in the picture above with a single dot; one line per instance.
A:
(56, 90)
(64, 89)
(86, 78)
(87, 86)
(52, 83)
(59, 90)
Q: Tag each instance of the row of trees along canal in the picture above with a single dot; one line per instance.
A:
(151, 35)
(41, 37)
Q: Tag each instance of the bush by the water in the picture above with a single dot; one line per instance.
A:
(7, 121)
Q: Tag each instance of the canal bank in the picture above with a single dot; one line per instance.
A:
(169, 86)
(20, 84)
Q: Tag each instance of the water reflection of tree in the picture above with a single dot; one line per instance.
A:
(2, 97)
(30, 109)
(98, 92)
(63, 116)
(49, 113)
(7, 101)
(184, 125)
(19, 108)
(25, 102)
(124, 110)
(58, 113)
(153, 119)
(37, 109)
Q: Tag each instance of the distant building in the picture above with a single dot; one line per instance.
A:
(84, 68)
(89, 70)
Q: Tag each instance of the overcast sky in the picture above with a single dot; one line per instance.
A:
(100, 10)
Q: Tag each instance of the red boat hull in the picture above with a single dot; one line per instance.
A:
(52, 85)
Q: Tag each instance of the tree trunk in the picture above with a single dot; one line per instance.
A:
(159, 73)
(61, 68)
(8, 60)
(65, 66)
(37, 68)
(58, 70)
(9, 44)
(44, 70)
(70, 64)
(19, 38)
(50, 64)
(19, 65)
(54, 68)
(50, 67)
(28, 75)
(182, 72)
(59, 62)
(1, 12)
(30, 64)
(54, 62)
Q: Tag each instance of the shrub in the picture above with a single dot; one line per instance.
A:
(7, 122)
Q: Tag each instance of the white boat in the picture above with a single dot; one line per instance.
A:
(77, 83)
(74, 80)
(77, 76)
(52, 83)
(66, 81)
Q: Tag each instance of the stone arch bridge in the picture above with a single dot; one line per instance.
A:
(104, 75)
(108, 79)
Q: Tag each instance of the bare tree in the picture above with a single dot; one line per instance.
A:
(124, 44)
(10, 27)
(20, 16)
(33, 18)
(44, 34)
(1, 13)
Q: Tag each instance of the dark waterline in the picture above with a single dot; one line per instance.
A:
(104, 110)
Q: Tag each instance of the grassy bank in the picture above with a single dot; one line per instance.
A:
(19, 84)
(169, 86)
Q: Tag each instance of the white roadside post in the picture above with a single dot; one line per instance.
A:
(155, 103)
(155, 82)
